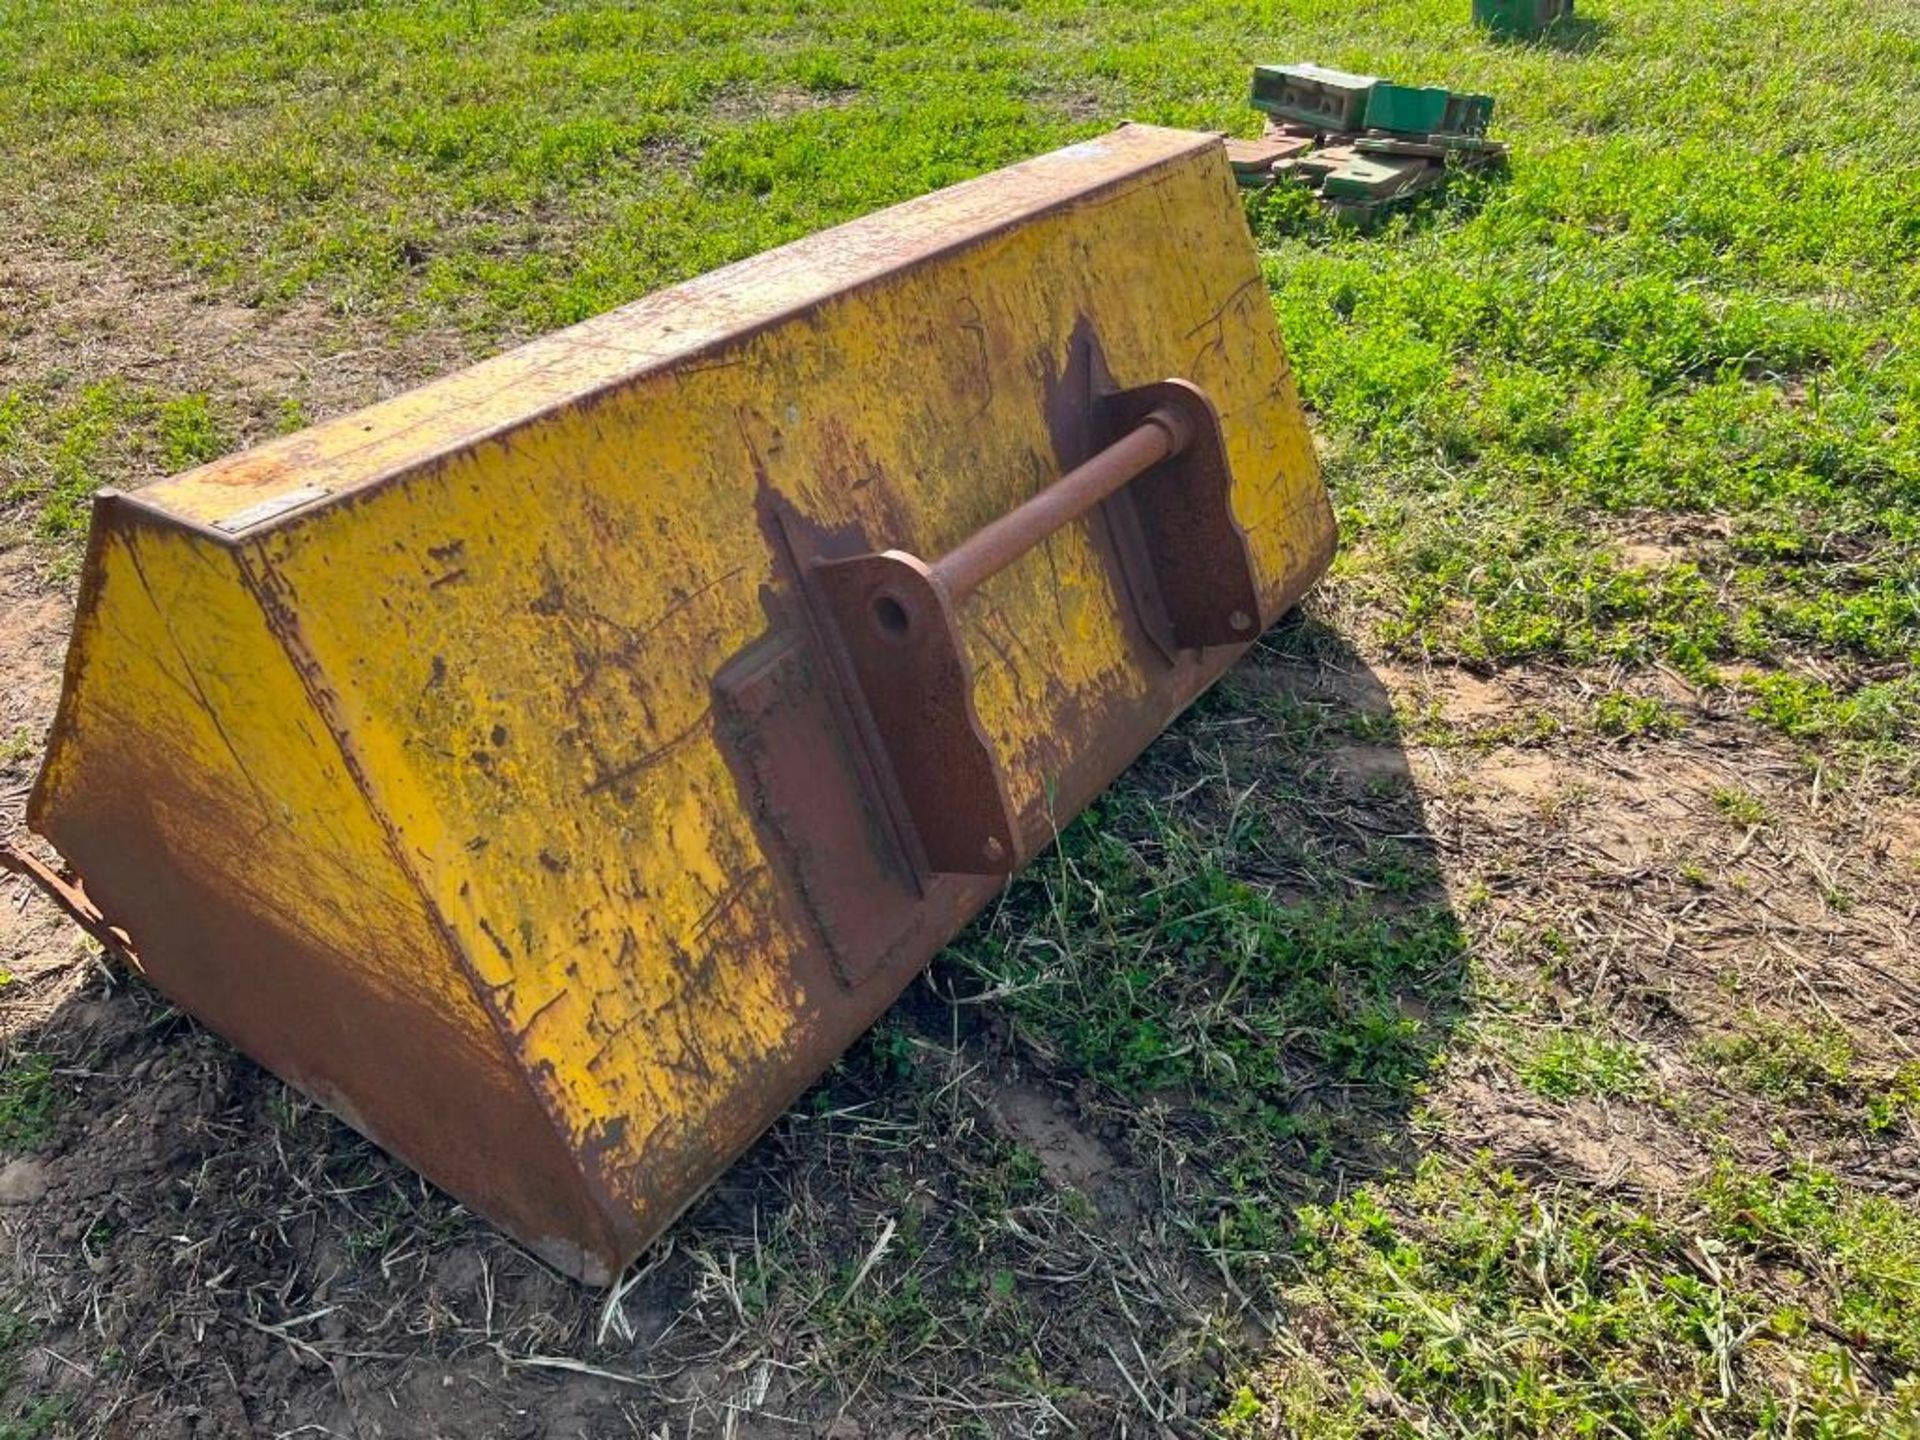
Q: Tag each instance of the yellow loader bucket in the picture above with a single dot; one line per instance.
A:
(551, 770)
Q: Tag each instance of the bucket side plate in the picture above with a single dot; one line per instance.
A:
(193, 782)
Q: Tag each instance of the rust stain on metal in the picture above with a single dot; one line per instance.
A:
(72, 899)
(886, 621)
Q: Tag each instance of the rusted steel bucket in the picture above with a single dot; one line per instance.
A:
(553, 769)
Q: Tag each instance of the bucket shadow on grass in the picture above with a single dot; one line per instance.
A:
(1248, 932)
(1080, 1149)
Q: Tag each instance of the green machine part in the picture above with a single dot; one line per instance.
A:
(1426, 110)
(1406, 109)
(1519, 17)
(1370, 178)
(1313, 95)
(1466, 115)
(1335, 101)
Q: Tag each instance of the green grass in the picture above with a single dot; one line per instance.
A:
(29, 1100)
(59, 446)
(1627, 716)
(1564, 1064)
(18, 745)
(1182, 973)
(1886, 712)
(1892, 1105)
(1472, 1301)
(37, 1419)
(1285, 1036)
(1740, 807)
(1816, 1068)
(1783, 1061)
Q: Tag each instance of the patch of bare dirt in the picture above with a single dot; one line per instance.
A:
(1469, 700)
(1655, 540)
(1675, 916)
(1526, 776)
(1898, 837)
(33, 632)
(1368, 768)
(185, 1203)
(1071, 1155)
(40, 955)
(1587, 1141)
(1645, 556)
(742, 106)
(70, 318)
(1365, 689)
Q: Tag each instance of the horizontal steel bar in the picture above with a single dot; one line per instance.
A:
(996, 545)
